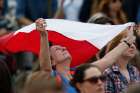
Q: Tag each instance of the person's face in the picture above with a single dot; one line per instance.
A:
(93, 81)
(115, 5)
(130, 52)
(59, 54)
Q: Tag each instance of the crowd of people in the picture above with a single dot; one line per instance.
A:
(114, 69)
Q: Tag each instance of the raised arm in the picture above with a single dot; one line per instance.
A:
(112, 57)
(44, 55)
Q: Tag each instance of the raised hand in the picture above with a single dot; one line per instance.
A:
(129, 38)
(44, 55)
(40, 24)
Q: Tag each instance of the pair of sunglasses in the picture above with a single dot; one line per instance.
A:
(95, 79)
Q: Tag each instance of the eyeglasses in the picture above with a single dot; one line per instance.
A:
(96, 78)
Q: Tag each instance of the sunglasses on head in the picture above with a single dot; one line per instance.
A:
(96, 78)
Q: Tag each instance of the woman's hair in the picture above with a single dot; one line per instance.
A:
(104, 8)
(40, 81)
(113, 43)
(79, 75)
(20, 81)
(5, 78)
(137, 40)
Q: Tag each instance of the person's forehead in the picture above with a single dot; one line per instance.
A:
(92, 72)
(56, 46)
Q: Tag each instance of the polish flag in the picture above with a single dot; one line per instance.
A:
(83, 40)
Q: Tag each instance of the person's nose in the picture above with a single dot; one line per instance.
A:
(64, 48)
(133, 46)
(100, 82)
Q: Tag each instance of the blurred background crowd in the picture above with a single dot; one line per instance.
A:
(18, 13)
(15, 14)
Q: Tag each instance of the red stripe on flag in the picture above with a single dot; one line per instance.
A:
(81, 51)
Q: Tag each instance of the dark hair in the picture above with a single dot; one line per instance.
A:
(102, 52)
(137, 41)
(5, 78)
(50, 43)
(79, 75)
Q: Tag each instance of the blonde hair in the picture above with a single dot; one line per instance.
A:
(41, 81)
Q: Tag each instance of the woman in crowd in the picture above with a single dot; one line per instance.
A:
(42, 80)
(88, 79)
(112, 9)
(89, 82)
(121, 74)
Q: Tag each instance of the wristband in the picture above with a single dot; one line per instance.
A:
(127, 43)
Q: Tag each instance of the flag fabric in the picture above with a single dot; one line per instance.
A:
(83, 40)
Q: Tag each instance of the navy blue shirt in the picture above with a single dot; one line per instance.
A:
(33, 9)
(5, 8)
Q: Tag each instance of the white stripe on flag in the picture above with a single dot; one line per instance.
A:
(98, 35)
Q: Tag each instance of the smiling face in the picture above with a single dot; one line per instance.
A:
(59, 54)
(93, 81)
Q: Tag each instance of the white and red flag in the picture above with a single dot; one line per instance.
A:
(83, 40)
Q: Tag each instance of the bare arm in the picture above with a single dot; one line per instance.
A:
(112, 57)
(44, 55)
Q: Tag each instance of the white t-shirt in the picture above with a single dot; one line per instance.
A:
(72, 9)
